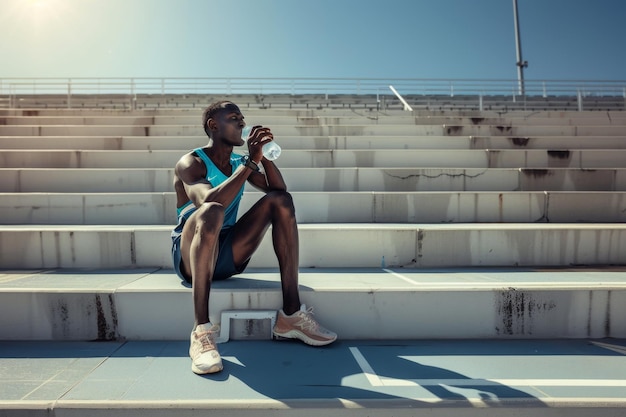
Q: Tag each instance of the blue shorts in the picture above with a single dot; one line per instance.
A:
(224, 267)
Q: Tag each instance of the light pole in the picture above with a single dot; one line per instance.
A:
(518, 44)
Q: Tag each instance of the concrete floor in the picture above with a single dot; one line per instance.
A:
(439, 377)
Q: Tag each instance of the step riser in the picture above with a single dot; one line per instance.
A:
(487, 159)
(325, 179)
(356, 130)
(183, 144)
(313, 111)
(330, 208)
(353, 315)
(122, 208)
(285, 99)
(325, 246)
(254, 117)
(195, 114)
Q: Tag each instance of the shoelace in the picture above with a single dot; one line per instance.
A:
(206, 341)
(306, 320)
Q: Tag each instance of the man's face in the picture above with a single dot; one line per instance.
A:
(229, 123)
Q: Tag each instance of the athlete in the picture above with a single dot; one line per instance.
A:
(209, 243)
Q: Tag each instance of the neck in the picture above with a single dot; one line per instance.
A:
(219, 153)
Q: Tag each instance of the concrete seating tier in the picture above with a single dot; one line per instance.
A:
(469, 116)
(137, 180)
(145, 208)
(313, 118)
(381, 196)
(184, 143)
(320, 130)
(338, 158)
(482, 303)
(385, 101)
(331, 245)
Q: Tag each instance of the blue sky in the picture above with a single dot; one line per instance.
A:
(561, 39)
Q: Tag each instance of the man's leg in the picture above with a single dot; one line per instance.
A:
(276, 209)
(199, 250)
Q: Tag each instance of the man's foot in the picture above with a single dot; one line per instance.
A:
(301, 325)
(205, 359)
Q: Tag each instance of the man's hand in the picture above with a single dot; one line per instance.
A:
(259, 136)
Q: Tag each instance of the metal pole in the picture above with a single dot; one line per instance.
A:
(406, 105)
(518, 44)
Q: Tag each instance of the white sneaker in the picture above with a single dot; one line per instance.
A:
(205, 359)
(301, 325)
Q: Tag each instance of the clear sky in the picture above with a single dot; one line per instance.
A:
(561, 39)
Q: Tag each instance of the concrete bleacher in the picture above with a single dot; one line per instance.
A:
(431, 224)
(92, 189)
(465, 101)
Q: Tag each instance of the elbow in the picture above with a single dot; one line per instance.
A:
(278, 188)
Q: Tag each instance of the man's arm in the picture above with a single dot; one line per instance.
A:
(274, 177)
(192, 174)
(270, 180)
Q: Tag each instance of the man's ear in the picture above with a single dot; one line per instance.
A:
(211, 124)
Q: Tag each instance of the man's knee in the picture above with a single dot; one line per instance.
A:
(210, 217)
(283, 201)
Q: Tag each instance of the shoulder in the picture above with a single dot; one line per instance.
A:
(190, 164)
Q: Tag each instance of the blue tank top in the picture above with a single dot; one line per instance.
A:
(215, 177)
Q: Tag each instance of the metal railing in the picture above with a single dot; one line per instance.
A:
(374, 88)
(294, 86)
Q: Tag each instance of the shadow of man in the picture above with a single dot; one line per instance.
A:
(291, 372)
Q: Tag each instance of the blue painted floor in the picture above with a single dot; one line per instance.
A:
(425, 372)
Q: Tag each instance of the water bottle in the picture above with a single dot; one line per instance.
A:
(271, 150)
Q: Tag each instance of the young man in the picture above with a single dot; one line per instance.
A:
(209, 243)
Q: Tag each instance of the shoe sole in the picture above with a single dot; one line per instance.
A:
(295, 334)
(213, 369)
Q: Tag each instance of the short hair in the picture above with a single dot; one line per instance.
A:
(212, 110)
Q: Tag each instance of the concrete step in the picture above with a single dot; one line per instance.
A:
(107, 180)
(443, 378)
(330, 207)
(119, 119)
(466, 116)
(288, 118)
(383, 158)
(363, 304)
(513, 114)
(326, 245)
(185, 143)
(286, 100)
(326, 130)
(530, 118)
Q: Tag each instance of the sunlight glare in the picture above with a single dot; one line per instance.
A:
(40, 6)
(40, 11)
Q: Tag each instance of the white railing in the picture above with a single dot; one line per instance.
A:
(132, 93)
(297, 86)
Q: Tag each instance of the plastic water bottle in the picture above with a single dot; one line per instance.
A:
(271, 150)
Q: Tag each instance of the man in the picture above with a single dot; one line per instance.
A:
(209, 243)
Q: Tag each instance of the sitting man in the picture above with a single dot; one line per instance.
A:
(209, 243)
